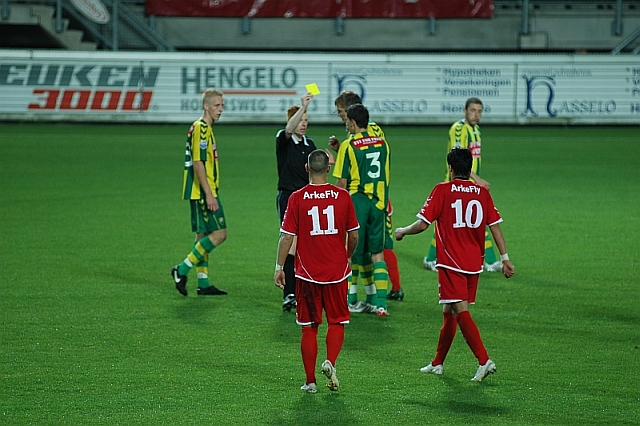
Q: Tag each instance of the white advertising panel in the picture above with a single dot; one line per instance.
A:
(259, 87)
(580, 92)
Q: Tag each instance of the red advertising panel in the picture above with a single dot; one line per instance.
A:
(323, 8)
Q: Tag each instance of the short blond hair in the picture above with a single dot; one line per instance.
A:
(211, 93)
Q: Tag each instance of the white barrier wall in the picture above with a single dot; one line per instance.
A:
(397, 88)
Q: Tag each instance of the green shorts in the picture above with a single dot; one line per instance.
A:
(203, 220)
(371, 235)
(389, 238)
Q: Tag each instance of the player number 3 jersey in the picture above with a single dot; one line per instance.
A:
(364, 161)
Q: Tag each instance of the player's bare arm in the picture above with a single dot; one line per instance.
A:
(477, 179)
(507, 267)
(212, 203)
(286, 240)
(295, 119)
(341, 183)
(352, 242)
(332, 158)
(415, 228)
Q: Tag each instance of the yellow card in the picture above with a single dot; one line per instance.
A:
(313, 89)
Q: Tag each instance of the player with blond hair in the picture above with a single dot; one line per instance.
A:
(201, 182)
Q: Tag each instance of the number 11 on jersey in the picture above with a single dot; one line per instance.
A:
(315, 217)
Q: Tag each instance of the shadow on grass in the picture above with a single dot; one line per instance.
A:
(366, 332)
(197, 310)
(461, 399)
(323, 408)
(609, 317)
(285, 329)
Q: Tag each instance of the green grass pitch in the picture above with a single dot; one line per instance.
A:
(94, 332)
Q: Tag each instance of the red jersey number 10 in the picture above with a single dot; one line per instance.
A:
(473, 206)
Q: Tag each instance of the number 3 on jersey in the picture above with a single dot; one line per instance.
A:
(474, 206)
(375, 162)
(315, 217)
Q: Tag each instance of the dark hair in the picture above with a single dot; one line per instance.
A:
(460, 160)
(473, 101)
(346, 98)
(318, 161)
(360, 114)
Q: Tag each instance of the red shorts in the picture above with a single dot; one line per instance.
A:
(455, 286)
(312, 298)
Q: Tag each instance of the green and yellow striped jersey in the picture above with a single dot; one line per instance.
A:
(363, 160)
(374, 129)
(201, 146)
(462, 135)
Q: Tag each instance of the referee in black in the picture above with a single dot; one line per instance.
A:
(292, 150)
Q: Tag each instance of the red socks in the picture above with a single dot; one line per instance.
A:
(335, 338)
(472, 336)
(309, 349)
(447, 333)
(392, 267)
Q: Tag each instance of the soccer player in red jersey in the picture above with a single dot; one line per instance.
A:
(465, 133)
(390, 258)
(323, 219)
(461, 209)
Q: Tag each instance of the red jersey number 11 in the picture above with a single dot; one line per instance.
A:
(315, 217)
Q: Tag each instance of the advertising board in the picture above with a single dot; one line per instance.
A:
(259, 87)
